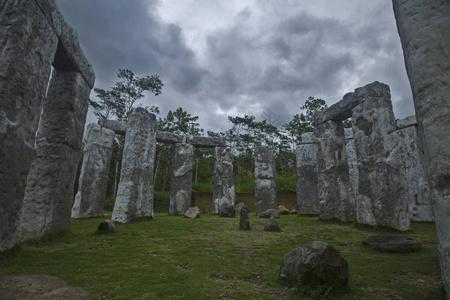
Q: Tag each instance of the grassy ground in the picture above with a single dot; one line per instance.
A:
(171, 257)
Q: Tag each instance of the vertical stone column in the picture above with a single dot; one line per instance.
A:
(352, 160)
(49, 193)
(223, 178)
(181, 180)
(382, 195)
(24, 74)
(135, 192)
(265, 180)
(423, 28)
(90, 199)
(307, 176)
(335, 191)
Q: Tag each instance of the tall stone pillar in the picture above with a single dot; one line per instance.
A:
(49, 193)
(307, 176)
(265, 180)
(352, 160)
(24, 74)
(223, 178)
(135, 192)
(335, 191)
(382, 195)
(90, 199)
(423, 28)
(181, 180)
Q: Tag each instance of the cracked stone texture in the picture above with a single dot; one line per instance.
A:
(382, 195)
(423, 29)
(24, 75)
(223, 191)
(352, 160)
(336, 196)
(265, 184)
(49, 193)
(181, 180)
(135, 192)
(307, 176)
(90, 198)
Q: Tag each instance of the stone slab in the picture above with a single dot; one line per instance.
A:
(181, 179)
(265, 183)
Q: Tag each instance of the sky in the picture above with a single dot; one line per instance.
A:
(220, 58)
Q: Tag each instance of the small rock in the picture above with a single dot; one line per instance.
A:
(392, 243)
(227, 210)
(238, 208)
(192, 212)
(283, 210)
(244, 220)
(268, 213)
(272, 225)
(107, 226)
(294, 212)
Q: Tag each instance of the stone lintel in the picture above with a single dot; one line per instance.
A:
(119, 127)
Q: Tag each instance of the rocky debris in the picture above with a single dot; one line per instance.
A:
(181, 180)
(314, 266)
(244, 218)
(192, 213)
(272, 225)
(238, 207)
(283, 210)
(294, 212)
(269, 213)
(392, 243)
(265, 184)
(227, 210)
(39, 287)
(107, 226)
(223, 188)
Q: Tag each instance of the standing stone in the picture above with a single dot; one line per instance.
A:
(335, 191)
(49, 193)
(135, 192)
(223, 178)
(244, 218)
(272, 225)
(90, 199)
(181, 181)
(352, 160)
(24, 74)
(382, 195)
(265, 184)
(307, 176)
(423, 28)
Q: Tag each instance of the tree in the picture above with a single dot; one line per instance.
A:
(120, 99)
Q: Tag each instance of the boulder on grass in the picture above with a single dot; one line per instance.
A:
(272, 225)
(192, 212)
(107, 226)
(244, 220)
(269, 213)
(392, 243)
(283, 210)
(227, 210)
(314, 266)
(294, 212)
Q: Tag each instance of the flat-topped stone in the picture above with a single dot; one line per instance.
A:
(119, 127)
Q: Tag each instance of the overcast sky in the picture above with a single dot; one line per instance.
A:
(220, 58)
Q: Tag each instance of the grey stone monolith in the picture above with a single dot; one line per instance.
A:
(265, 184)
(244, 218)
(181, 180)
(49, 194)
(352, 160)
(135, 192)
(223, 191)
(307, 176)
(381, 191)
(90, 198)
(336, 196)
(423, 27)
(24, 74)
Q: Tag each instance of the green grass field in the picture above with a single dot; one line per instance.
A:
(170, 257)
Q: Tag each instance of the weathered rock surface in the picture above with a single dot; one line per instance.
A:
(107, 226)
(335, 191)
(135, 192)
(407, 122)
(272, 225)
(265, 184)
(269, 213)
(227, 210)
(24, 75)
(314, 266)
(90, 199)
(307, 176)
(181, 180)
(119, 127)
(244, 218)
(352, 160)
(238, 207)
(39, 287)
(392, 243)
(283, 210)
(423, 28)
(49, 194)
(294, 212)
(223, 191)
(192, 212)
